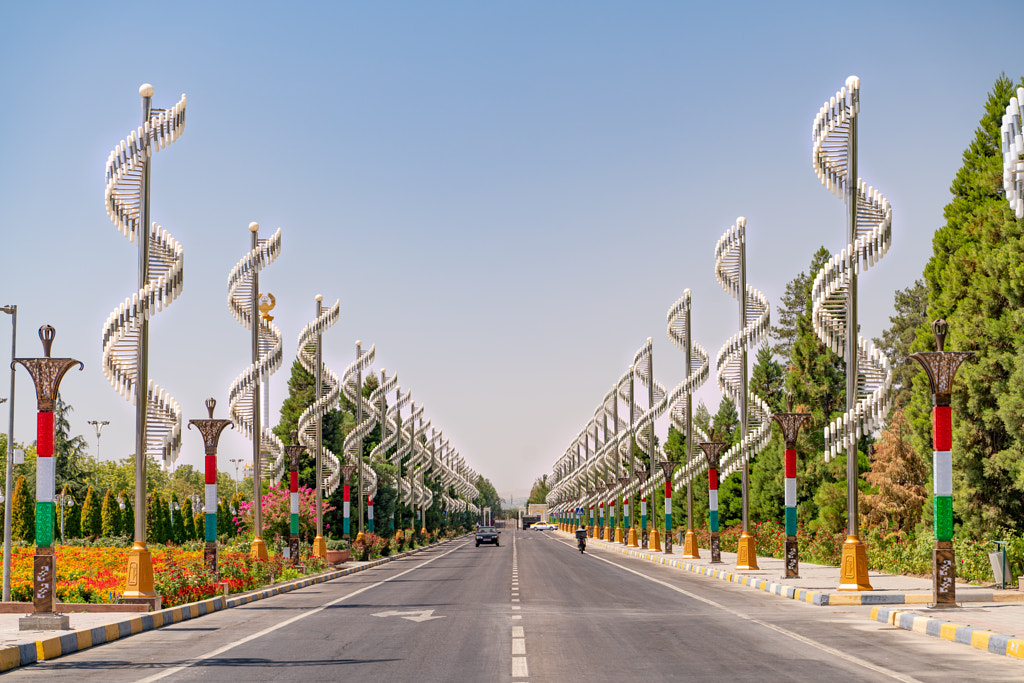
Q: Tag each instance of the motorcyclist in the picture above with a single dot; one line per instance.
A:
(581, 538)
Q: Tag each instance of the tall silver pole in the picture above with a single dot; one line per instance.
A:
(319, 428)
(743, 384)
(359, 419)
(852, 465)
(254, 313)
(142, 367)
(13, 310)
(689, 428)
(650, 434)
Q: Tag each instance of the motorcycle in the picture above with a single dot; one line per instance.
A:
(581, 538)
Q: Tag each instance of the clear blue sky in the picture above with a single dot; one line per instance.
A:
(506, 197)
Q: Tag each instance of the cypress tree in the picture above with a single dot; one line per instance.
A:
(23, 515)
(154, 521)
(127, 516)
(111, 515)
(73, 521)
(92, 514)
(177, 520)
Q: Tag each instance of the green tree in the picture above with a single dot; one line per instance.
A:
(910, 317)
(155, 532)
(92, 514)
(898, 477)
(975, 281)
(73, 520)
(127, 515)
(188, 521)
(539, 491)
(23, 513)
(110, 524)
(73, 470)
(177, 520)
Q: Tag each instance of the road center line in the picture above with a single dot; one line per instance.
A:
(271, 629)
(778, 629)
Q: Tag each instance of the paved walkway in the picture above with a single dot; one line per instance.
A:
(987, 618)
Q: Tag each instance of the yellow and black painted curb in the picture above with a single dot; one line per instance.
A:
(979, 638)
(29, 652)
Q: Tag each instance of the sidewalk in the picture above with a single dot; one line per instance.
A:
(987, 618)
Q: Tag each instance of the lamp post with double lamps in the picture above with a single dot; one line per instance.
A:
(99, 425)
(11, 310)
(47, 373)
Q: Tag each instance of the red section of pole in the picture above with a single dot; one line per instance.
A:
(942, 428)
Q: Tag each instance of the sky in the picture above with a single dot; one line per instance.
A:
(506, 198)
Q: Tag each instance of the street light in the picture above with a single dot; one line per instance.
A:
(236, 462)
(99, 425)
(11, 310)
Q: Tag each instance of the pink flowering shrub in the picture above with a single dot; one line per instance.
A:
(277, 513)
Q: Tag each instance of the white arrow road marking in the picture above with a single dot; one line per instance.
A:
(424, 615)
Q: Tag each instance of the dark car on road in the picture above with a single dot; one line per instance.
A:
(487, 534)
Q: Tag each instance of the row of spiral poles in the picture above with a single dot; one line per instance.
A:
(352, 386)
(832, 133)
(164, 266)
(730, 363)
(242, 396)
(580, 479)
(1013, 153)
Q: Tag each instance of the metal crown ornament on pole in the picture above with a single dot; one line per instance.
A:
(267, 354)
(834, 306)
(210, 429)
(712, 451)
(47, 374)
(310, 424)
(790, 423)
(126, 332)
(731, 372)
(941, 367)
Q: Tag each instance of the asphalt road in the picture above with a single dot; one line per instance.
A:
(532, 609)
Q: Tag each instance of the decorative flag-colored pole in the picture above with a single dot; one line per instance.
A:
(346, 524)
(210, 429)
(294, 452)
(47, 374)
(790, 423)
(941, 367)
(667, 466)
(834, 307)
(126, 332)
(712, 451)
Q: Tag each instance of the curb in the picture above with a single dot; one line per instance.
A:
(30, 652)
(978, 638)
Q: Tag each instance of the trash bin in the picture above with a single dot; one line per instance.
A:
(998, 561)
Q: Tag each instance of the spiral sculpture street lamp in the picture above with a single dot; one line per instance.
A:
(680, 402)
(352, 385)
(834, 305)
(267, 353)
(657, 401)
(1013, 154)
(126, 332)
(731, 372)
(379, 399)
(310, 424)
(393, 440)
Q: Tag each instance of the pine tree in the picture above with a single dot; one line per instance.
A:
(177, 521)
(110, 523)
(154, 525)
(976, 282)
(73, 521)
(127, 516)
(188, 521)
(897, 341)
(73, 471)
(92, 514)
(898, 476)
(23, 513)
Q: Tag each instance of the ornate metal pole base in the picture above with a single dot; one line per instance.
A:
(792, 558)
(293, 549)
(210, 557)
(746, 557)
(139, 585)
(716, 548)
(853, 568)
(943, 575)
(44, 599)
(258, 549)
(690, 549)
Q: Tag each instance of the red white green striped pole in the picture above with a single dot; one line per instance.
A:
(346, 506)
(210, 430)
(790, 423)
(667, 466)
(711, 453)
(47, 374)
(294, 452)
(941, 367)
(369, 515)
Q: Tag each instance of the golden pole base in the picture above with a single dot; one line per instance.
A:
(618, 534)
(690, 549)
(632, 538)
(258, 549)
(423, 531)
(139, 584)
(853, 568)
(746, 558)
(359, 537)
(607, 533)
(399, 535)
(319, 548)
(654, 540)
